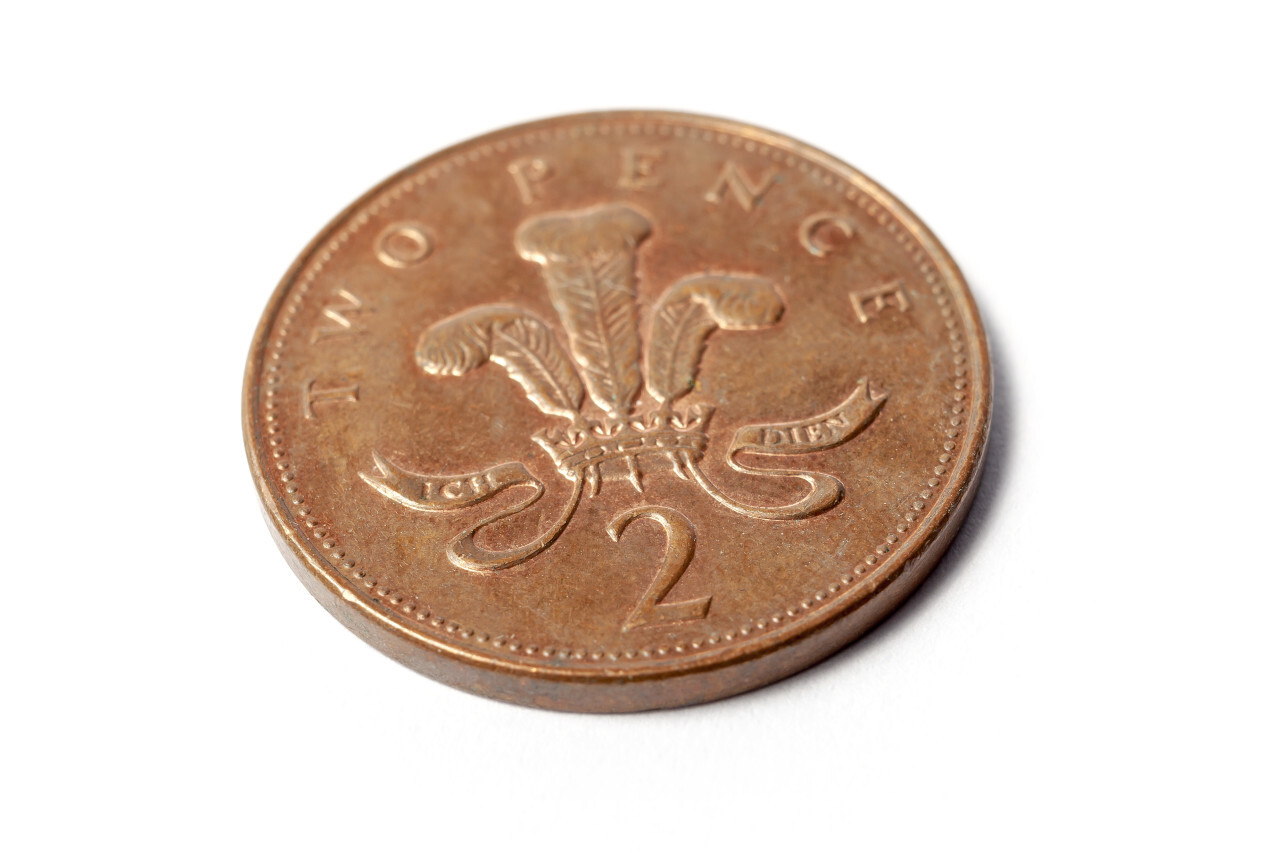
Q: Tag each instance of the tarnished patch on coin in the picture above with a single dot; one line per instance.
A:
(618, 411)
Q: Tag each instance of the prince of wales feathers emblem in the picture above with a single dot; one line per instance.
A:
(588, 262)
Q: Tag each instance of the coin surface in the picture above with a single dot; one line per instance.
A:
(618, 411)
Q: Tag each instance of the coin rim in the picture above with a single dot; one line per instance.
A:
(894, 580)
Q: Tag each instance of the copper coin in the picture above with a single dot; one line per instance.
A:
(618, 411)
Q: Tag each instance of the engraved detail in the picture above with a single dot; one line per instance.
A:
(313, 396)
(638, 166)
(689, 312)
(652, 611)
(403, 245)
(529, 173)
(587, 259)
(443, 493)
(747, 192)
(339, 314)
(612, 451)
(821, 432)
(518, 341)
(437, 494)
(816, 232)
(869, 303)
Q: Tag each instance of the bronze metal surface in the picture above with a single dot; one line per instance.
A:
(618, 411)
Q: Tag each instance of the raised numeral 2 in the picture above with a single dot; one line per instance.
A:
(651, 610)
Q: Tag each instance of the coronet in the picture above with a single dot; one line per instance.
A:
(585, 453)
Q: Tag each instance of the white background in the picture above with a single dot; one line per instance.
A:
(1093, 666)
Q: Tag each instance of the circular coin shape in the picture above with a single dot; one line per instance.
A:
(618, 411)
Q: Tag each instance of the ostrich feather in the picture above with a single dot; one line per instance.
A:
(518, 341)
(588, 262)
(596, 302)
(689, 312)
